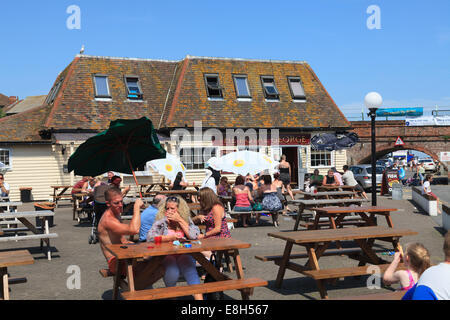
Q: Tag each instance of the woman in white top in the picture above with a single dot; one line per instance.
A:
(427, 189)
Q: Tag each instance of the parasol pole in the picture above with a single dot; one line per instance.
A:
(134, 175)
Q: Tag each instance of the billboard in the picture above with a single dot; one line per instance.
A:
(400, 112)
(428, 121)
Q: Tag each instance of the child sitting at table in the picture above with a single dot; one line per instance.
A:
(223, 189)
(416, 260)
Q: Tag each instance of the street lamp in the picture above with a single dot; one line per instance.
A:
(373, 101)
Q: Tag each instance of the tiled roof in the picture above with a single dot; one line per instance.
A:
(24, 126)
(192, 102)
(174, 95)
(76, 107)
(26, 104)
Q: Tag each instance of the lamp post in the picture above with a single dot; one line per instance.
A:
(373, 101)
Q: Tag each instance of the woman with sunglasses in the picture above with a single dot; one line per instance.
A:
(173, 222)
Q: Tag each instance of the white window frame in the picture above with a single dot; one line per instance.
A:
(214, 98)
(97, 96)
(266, 95)
(188, 164)
(294, 98)
(332, 157)
(139, 95)
(9, 166)
(238, 96)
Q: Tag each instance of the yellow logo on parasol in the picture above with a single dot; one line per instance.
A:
(268, 159)
(238, 163)
(169, 167)
(182, 167)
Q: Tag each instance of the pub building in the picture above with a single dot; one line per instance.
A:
(224, 94)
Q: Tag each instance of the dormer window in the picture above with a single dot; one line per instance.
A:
(101, 86)
(270, 90)
(297, 92)
(53, 92)
(241, 85)
(133, 88)
(213, 88)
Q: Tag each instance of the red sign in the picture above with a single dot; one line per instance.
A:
(294, 139)
(283, 140)
(399, 142)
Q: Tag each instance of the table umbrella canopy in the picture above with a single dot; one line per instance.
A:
(244, 162)
(125, 146)
(168, 167)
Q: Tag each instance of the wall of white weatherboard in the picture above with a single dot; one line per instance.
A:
(41, 166)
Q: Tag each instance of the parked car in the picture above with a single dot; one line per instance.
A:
(363, 175)
(428, 164)
(381, 163)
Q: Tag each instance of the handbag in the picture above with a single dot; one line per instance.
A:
(257, 206)
(209, 278)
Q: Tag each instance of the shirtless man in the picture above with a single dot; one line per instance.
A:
(112, 231)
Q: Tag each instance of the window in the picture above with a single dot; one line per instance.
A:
(248, 148)
(320, 158)
(101, 87)
(133, 88)
(5, 155)
(213, 88)
(296, 87)
(270, 90)
(195, 158)
(53, 92)
(241, 85)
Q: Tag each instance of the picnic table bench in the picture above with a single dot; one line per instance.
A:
(61, 195)
(337, 215)
(9, 204)
(170, 192)
(11, 259)
(328, 195)
(42, 233)
(330, 188)
(150, 186)
(317, 243)
(307, 204)
(126, 256)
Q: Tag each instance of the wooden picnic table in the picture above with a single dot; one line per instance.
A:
(317, 243)
(10, 259)
(42, 233)
(328, 194)
(127, 254)
(170, 192)
(9, 204)
(336, 215)
(150, 186)
(62, 194)
(312, 203)
(330, 188)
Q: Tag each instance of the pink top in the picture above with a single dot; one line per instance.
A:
(411, 282)
(179, 233)
(242, 200)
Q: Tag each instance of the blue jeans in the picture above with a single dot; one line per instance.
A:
(180, 263)
(242, 209)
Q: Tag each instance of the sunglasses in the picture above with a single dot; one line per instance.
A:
(173, 199)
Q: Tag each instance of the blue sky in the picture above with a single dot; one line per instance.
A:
(407, 61)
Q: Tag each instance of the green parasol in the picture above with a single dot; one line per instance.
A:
(125, 146)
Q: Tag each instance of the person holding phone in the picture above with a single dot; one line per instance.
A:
(173, 222)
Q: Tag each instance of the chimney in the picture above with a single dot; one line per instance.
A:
(13, 99)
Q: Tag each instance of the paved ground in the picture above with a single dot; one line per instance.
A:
(48, 279)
